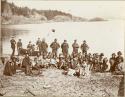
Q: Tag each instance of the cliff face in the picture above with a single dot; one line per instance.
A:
(12, 14)
(6, 10)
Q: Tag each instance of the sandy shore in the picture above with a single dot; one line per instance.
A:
(51, 82)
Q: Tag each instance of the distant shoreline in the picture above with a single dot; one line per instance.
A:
(53, 22)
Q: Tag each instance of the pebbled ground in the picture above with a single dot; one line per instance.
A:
(51, 82)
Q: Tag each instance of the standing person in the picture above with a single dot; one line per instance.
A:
(84, 47)
(75, 47)
(55, 46)
(27, 64)
(13, 45)
(112, 62)
(119, 62)
(29, 48)
(19, 46)
(101, 57)
(65, 47)
(119, 58)
(38, 43)
(44, 47)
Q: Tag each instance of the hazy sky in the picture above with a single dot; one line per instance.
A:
(88, 9)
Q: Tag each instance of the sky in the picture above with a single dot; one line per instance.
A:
(86, 9)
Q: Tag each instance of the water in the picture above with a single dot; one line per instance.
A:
(106, 36)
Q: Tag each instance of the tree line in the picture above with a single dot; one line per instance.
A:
(27, 12)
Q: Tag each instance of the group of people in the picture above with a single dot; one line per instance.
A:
(42, 47)
(75, 64)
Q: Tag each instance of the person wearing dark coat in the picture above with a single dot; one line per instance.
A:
(26, 63)
(38, 43)
(84, 47)
(119, 60)
(75, 47)
(44, 47)
(65, 48)
(14, 59)
(10, 67)
(112, 62)
(55, 46)
(19, 46)
(101, 57)
(105, 65)
(29, 48)
(13, 45)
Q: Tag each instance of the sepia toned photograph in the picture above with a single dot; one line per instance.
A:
(62, 48)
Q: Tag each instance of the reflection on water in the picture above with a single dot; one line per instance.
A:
(107, 37)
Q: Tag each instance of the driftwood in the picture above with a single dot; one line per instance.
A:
(28, 91)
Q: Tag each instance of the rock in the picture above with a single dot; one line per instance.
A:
(46, 86)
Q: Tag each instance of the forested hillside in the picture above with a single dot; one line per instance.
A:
(12, 14)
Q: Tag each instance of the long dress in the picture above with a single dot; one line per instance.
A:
(8, 69)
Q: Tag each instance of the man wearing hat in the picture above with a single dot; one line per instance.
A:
(13, 45)
(38, 43)
(29, 47)
(75, 47)
(44, 47)
(55, 46)
(119, 59)
(65, 47)
(19, 46)
(112, 62)
(84, 47)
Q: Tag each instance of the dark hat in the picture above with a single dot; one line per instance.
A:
(119, 53)
(55, 39)
(84, 41)
(101, 54)
(114, 54)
